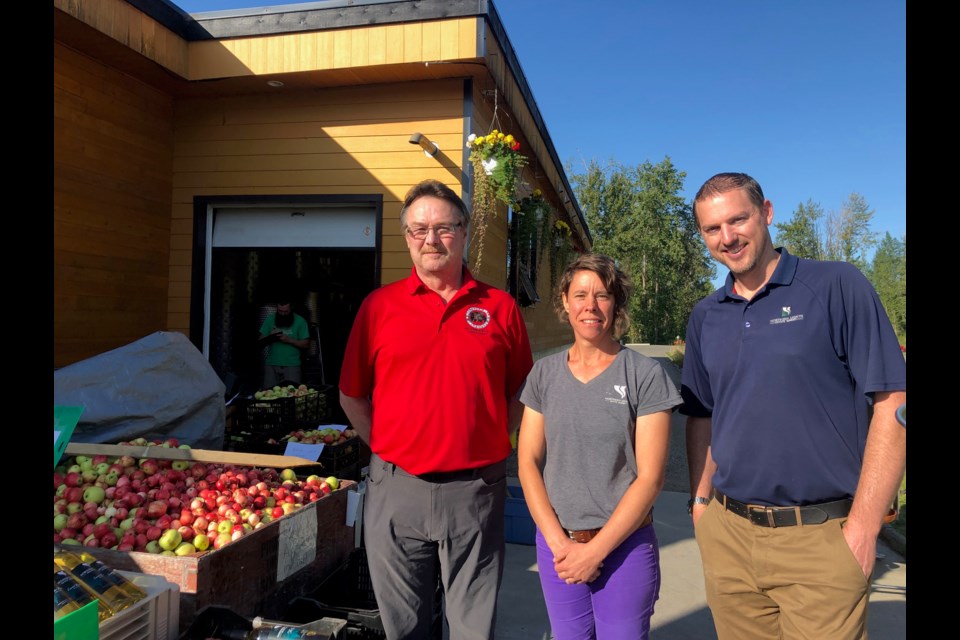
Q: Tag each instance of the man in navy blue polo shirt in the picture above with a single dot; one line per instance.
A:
(792, 377)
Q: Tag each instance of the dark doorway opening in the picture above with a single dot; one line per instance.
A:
(326, 286)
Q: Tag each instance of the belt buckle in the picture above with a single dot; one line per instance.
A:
(768, 511)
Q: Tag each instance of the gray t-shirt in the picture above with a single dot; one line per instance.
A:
(590, 430)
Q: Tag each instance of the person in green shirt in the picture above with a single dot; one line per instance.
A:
(287, 334)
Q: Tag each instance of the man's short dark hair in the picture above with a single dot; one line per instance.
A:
(723, 182)
(436, 189)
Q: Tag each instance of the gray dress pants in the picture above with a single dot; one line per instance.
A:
(415, 527)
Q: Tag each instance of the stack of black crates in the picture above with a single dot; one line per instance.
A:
(260, 425)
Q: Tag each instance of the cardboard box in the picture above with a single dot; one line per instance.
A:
(519, 525)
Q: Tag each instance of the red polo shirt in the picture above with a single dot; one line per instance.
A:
(440, 375)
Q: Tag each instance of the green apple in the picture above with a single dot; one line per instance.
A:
(333, 482)
(185, 549)
(201, 542)
(170, 540)
(288, 474)
(94, 494)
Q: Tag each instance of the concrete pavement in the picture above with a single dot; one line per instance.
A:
(681, 612)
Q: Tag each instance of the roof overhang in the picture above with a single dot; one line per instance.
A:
(238, 51)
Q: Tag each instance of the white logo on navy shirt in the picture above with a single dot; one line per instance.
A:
(785, 316)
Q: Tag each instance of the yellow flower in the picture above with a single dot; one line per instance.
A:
(537, 193)
(509, 139)
(500, 136)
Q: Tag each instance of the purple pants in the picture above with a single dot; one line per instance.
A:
(616, 606)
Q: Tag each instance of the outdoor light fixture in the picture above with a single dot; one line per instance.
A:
(429, 148)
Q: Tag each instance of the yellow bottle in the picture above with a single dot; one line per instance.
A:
(113, 576)
(79, 592)
(113, 596)
(62, 602)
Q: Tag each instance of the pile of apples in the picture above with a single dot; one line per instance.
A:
(171, 507)
(327, 435)
(288, 391)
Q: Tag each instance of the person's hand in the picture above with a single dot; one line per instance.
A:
(862, 545)
(577, 564)
(698, 510)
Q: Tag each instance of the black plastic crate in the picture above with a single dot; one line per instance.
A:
(290, 413)
(348, 594)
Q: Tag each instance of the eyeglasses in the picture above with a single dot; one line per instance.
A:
(442, 230)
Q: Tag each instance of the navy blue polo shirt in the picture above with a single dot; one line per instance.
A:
(787, 379)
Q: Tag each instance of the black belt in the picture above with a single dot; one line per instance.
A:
(452, 476)
(764, 516)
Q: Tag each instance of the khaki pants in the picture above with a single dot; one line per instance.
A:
(783, 583)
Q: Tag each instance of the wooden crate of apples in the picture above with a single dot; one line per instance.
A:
(171, 507)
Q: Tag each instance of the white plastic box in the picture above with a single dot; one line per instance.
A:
(156, 617)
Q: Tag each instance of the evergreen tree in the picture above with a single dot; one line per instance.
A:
(888, 273)
(848, 232)
(638, 218)
(801, 234)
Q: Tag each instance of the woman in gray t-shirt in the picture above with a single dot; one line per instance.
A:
(592, 454)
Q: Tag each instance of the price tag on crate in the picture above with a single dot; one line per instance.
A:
(65, 420)
(308, 451)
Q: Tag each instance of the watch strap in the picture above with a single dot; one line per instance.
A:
(696, 500)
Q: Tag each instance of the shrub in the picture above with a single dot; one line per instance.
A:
(676, 357)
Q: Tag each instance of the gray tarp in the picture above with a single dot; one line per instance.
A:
(159, 386)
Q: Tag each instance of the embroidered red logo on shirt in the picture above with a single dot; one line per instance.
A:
(478, 318)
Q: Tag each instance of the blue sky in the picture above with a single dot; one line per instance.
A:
(808, 97)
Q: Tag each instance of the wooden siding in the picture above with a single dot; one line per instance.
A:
(111, 211)
(434, 41)
(352, 140)
(129, 26)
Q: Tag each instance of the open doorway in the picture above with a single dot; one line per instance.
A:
(327, 287)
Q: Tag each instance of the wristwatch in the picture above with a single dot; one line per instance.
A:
(696, 500)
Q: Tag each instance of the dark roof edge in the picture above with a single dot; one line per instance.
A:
(168, 14)
(319, 15)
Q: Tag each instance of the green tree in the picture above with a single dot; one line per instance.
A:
(848, 236)
(801, 235)
(637, 217)
(888, 273)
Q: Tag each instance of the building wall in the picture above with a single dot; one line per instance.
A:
(112, 139)
(349, 140)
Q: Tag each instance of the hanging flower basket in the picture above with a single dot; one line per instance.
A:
(497, 163)
(533, 232)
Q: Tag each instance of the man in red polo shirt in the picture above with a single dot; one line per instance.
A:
(430, 380)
